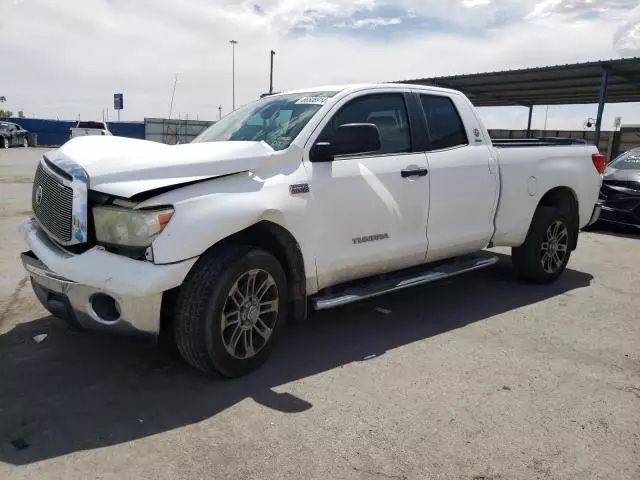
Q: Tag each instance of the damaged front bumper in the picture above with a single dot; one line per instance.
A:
(97, 289)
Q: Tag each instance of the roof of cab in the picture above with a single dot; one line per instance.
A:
(364, 86)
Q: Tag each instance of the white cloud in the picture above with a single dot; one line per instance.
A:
(627, 38)
(370, 23)
(475, 3)
(64, 58)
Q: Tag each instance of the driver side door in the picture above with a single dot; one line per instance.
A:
(369, 210)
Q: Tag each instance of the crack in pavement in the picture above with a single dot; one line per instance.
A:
(375, 472)
(13, 299)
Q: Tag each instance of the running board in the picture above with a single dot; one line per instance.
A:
(400, 282)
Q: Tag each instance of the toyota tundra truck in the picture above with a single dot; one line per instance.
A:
(300, 201)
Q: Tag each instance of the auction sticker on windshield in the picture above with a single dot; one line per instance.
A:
(312, 101)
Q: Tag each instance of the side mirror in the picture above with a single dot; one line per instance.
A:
(348, 139)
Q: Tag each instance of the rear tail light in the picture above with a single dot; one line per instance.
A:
(600, 162)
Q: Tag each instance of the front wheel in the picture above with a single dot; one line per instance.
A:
(230, 310)
(25, 142)
(4, 142)
(545, 253)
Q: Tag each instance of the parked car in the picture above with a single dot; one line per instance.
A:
(13, 135)
(89, 128)
(620, 192)
(307, 199)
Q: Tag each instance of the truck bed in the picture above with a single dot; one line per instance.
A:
(536, 142)
(527, 172)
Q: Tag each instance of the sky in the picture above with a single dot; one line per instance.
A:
(64, 58)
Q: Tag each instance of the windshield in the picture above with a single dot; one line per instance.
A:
(629, 160)
(275, 120)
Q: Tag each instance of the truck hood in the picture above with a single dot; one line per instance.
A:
(125, 167)
(632, 175)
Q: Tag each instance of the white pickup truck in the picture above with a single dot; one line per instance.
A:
(89, 128)
(310, 199)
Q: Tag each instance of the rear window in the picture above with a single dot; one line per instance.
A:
(627, 161)
(97, 125)
(445, 126)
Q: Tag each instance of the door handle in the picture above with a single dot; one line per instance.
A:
(414, 172)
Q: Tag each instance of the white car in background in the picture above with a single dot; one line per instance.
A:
(89, 128)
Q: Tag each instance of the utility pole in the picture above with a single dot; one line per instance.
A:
(219, 112)
(271, 73)
(173, 94)
(545, 118)
(233, 73)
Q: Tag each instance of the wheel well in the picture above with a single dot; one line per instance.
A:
(281, 244)
(563, 198)
(275, 240)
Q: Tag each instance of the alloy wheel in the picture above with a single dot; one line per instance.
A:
(555, 247)
(249, 314)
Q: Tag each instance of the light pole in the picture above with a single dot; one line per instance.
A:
(545, 119)
(271, 73)
(233, 73)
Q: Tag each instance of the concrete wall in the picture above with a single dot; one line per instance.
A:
(172, 131)
(629, 137)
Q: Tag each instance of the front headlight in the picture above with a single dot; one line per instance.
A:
(130, 228)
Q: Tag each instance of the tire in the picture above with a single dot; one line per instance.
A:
(538, 259)
(5, 143)
(206, 298)
(25, 142)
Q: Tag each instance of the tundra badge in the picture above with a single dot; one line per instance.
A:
(370, 238)
(299, 188)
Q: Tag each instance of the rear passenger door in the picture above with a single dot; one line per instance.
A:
(463, 181)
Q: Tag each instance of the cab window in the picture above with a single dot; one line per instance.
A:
(385, 110)
(444, 124)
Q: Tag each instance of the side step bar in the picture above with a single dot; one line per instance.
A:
(400, 282)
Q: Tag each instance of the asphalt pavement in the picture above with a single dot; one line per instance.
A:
(476, 377)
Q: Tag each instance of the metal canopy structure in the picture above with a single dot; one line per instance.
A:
(612, 81)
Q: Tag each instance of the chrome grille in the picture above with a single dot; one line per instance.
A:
(56, 203)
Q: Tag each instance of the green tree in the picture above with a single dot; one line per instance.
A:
(4, 113)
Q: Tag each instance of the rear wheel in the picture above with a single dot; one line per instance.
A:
(25, 142)
(5, 142)
(546, 251)
(230, 310)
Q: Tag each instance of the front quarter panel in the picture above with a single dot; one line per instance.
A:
(211, 211)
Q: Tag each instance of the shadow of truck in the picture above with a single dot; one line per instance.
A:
(80, 390)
